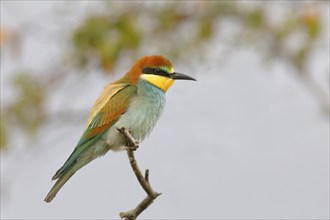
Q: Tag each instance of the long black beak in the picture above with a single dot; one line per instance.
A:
(181, 76)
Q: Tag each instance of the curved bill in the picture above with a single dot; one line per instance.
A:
(176, 75)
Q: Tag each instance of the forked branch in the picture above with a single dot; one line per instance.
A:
(132, 145)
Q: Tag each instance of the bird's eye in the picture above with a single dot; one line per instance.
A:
(158, 71)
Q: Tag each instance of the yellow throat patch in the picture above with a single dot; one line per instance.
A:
(164, 83)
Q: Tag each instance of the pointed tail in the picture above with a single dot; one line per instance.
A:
(82, 155)
(58, 185)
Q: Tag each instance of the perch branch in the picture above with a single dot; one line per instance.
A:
(132, 145)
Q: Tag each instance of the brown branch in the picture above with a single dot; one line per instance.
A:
(132, 145)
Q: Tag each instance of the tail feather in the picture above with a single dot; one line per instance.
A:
(79, 158)
(58, 185)
(58, 174)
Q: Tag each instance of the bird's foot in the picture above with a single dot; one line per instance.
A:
(131, 142)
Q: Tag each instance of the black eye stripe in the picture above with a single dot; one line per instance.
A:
(155, 71)
(149, 70)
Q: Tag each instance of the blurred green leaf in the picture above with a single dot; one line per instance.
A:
(28, 109)
(105, 37)
(255, 19)
(312, 23)
(3, 134)
(205, 29)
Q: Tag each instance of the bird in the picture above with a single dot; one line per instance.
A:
(134, 102)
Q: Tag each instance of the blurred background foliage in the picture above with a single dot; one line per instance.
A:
(177, 29)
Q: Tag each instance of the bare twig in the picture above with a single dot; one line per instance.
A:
(132, 145)
(146, 175)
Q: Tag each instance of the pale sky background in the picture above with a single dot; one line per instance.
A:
(245, 141)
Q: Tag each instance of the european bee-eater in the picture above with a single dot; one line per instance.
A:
(134, 102)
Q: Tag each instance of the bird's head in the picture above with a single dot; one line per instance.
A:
(156, 70)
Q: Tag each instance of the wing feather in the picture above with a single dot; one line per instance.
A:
(112, 103)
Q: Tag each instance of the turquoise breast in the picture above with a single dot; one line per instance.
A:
(144, 110)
